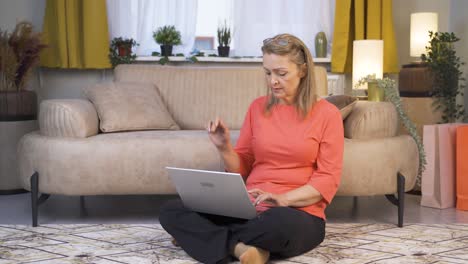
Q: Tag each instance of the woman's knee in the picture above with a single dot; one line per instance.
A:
(311, 238)
(298, 231)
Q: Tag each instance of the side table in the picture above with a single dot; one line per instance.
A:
(10, 134)
(420, 111)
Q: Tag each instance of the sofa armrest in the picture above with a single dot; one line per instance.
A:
(372, 120)
(68, 118)
(370, 167)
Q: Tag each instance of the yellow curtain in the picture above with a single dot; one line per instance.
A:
(363, 19)
(76, 33)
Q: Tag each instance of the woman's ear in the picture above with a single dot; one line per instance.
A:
(303, 70)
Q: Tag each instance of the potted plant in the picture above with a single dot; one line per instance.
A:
(167, 36)
(391, 94)
(224, 39)
(19, 53)
(448, 81)
(121, 51)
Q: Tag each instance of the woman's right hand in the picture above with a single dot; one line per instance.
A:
(219, 134)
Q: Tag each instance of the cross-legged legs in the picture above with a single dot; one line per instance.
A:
(202, 236)
(281, 231)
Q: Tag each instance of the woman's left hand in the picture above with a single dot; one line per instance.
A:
(270, 198)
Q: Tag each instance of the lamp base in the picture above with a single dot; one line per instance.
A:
(415, 80)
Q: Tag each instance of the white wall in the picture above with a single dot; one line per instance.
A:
(12, 11)
(68, 83)
(458, 24)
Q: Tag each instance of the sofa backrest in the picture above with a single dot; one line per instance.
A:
(195, 95)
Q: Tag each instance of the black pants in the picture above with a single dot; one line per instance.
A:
(283, 231)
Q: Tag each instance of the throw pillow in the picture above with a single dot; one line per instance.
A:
(344, 103)
(124, 106)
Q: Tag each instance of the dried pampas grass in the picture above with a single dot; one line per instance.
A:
(19, 53)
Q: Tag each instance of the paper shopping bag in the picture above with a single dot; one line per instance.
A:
(438, 180)
(462, 168)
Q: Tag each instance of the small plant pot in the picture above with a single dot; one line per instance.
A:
(166, 50)
(223, 51)
(124, 51)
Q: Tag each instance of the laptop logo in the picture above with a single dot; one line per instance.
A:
(207, 184)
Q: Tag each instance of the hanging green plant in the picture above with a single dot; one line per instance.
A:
(392, 96)
(448, 81)
(121, 51)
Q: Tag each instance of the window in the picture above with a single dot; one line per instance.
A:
(211, 14)
(198, 20)
(256, 20)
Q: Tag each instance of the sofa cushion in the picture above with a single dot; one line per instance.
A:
(344, 103)
(372, 120)
(126, 106)
(68, 118)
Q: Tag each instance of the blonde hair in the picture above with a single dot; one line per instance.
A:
(299, 54)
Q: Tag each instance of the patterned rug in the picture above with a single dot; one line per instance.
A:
(344, 243)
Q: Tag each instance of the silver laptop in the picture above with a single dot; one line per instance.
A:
(213, 192)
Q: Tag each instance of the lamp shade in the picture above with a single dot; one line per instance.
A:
(367, 59)
(421, 24)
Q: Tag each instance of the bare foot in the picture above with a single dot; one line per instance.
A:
(254, 255)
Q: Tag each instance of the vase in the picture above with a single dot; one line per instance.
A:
(374, 92)
(18, 105)
(321, 45)
(223, 51)
(166, 50)
(124, 50)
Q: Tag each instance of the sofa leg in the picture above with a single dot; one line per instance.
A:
(400, 202)
(35, 200)
(82, 206)
(34, 191)
(354, 210)
(401, 198)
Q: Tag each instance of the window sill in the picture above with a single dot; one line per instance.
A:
(336, 82)
(219, 59)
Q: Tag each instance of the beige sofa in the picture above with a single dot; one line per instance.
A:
(70, 156)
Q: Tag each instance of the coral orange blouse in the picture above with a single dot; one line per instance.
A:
(282, 152)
